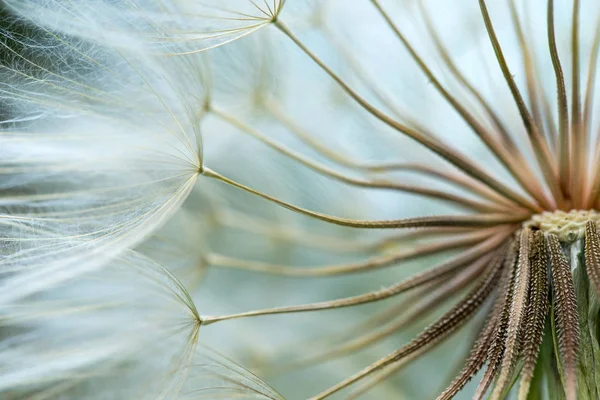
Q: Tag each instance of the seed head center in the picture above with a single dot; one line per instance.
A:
(568, 226)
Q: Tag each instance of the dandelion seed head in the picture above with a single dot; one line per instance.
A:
(492, 120)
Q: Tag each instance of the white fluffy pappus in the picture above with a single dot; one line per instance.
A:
(171, 26)
(132, 317)
(100, 148)
(127, 331)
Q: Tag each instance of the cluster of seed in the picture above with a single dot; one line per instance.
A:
(568, 226)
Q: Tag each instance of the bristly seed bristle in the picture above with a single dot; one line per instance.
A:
(537, 309)
(488, 334)
(592, 254)
(496, 348)
(566, 315)
(516, 315)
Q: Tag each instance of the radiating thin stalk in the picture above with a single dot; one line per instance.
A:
(461, 181)
(482, 250)
(462, 79)
(422, 307)
(520, 171)
(373, 85)
(283, 232)
(578, 138)
(563, 111)
(435, 333)
(540, 146)
(538, 102)
(476, 358)
(566, 314)
(593, 182)
(536, 312)
(381, 375)
(438, 221)
(371, 184)
(379, 318)
(368, 265)
(431, 143)
(401, 238)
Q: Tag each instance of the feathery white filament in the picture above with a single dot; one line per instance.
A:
(169, 26)
(102, 148)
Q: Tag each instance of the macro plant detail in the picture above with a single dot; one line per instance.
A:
(126, 122)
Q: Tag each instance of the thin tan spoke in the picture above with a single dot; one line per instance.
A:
(283, 232)
(431, 143)
(540, 146)
(422, 307)
(563, 112)
(516, 316)
(578, 138)
(502, 307)
(592, 254)
(476, 359)
(459, 180)
(372, 183)
(412, 282)
(381, 375)
(373, 85)
(475, 220)
(519, 171)
(534, 92)
(435, 333)
(462, 79)
(593, 182)
(378, 319)
(368, 265)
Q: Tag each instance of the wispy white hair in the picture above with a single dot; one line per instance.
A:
(127, 331)
(131, 312)
(99, 149)
(172, 26)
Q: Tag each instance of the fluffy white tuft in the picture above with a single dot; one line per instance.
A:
(172, 26)
(128, 330)
(99, 150)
